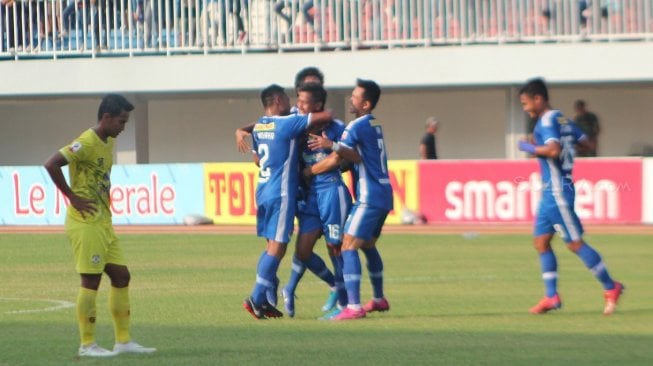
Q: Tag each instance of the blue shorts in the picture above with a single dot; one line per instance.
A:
(556, 214)
(365, 222)
(275, 219)
(326, 209)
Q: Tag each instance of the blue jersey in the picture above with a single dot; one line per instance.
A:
(372, 180)
(310, 157)
(276, 141)
(557, 172)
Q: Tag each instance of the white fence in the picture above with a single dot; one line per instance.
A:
(70, 28)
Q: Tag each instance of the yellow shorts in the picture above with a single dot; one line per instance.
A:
(94, 245)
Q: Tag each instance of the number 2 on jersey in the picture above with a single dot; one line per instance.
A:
(263, 156)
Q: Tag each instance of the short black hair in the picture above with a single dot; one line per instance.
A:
(317, 91)
(308, 71)
(114, 104)
(535, 87)
(579, 103)
(371, 93)
(268, 94)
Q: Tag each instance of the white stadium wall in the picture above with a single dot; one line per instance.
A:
(199, 127)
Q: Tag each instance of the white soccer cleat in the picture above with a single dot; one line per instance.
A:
(131, 347)
(93, 350)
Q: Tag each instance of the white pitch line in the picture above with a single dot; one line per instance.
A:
(60, 304)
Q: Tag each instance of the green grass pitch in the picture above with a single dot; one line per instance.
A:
(454, 301)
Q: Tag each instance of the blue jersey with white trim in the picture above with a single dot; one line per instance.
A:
(554, 127)
(373, 181)
(276, 141)
(310, 157)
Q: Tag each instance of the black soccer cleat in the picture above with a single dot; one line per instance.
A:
(256, 311)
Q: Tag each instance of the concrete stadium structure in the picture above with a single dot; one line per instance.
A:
(189, 105)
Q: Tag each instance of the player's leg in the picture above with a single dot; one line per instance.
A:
(375, 271)
(571, 231)
(334, 205)
(298, 268)
(275, 223)
(351, 272)
(335, 304)
(361, 227)
(305, 241)
(90, 257)
(119, 305)
(375, 268)
(312, 261)
(542, 235)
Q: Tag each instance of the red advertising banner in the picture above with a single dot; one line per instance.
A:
(477, 191)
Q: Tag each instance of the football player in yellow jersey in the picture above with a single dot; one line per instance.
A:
(88, 225)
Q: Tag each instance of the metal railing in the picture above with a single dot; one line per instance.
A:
(69, 28)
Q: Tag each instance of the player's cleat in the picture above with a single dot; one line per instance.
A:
(331, 301)
(350, 314)
(269, 311)
(256, 311)
(332, 314)
(373, 305)
(271, 293)
(612, 297)
(93, 350)
(131, 347)
(546, 304)
(288, 302)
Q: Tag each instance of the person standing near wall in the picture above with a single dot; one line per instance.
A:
(428, 147)
(589, 123)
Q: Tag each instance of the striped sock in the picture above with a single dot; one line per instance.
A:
(265, 277)
(339, 281)
(594, 263)
(351, 273)
(296, 273)
(549, 266)
(375, 270)
(316, 265)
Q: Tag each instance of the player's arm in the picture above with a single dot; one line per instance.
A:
(241, 134)
(329, 163)
(344, 151)
(583, 142)
(422, 151)
(318, 120)
(53, 166)
(551, 149)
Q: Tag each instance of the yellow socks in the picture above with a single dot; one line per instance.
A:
(86, 315)
(119, 307)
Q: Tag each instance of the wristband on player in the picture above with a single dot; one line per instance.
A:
(526, 147)
(335, 147)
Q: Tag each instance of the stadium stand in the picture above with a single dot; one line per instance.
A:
(74, 28)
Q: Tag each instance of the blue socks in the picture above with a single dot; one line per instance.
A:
(375, 269)
(316, 265)
(266, 274)
(549, 266)
(339, 281)
(351, 273)
(296, 272)
(593, 262)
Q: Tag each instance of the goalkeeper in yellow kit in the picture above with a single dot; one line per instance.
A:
(88, 225)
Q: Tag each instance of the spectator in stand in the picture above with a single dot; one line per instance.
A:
(13, 9)
(427, 147)
(589, 123)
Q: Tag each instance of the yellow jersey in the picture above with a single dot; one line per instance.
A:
(90, 160)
